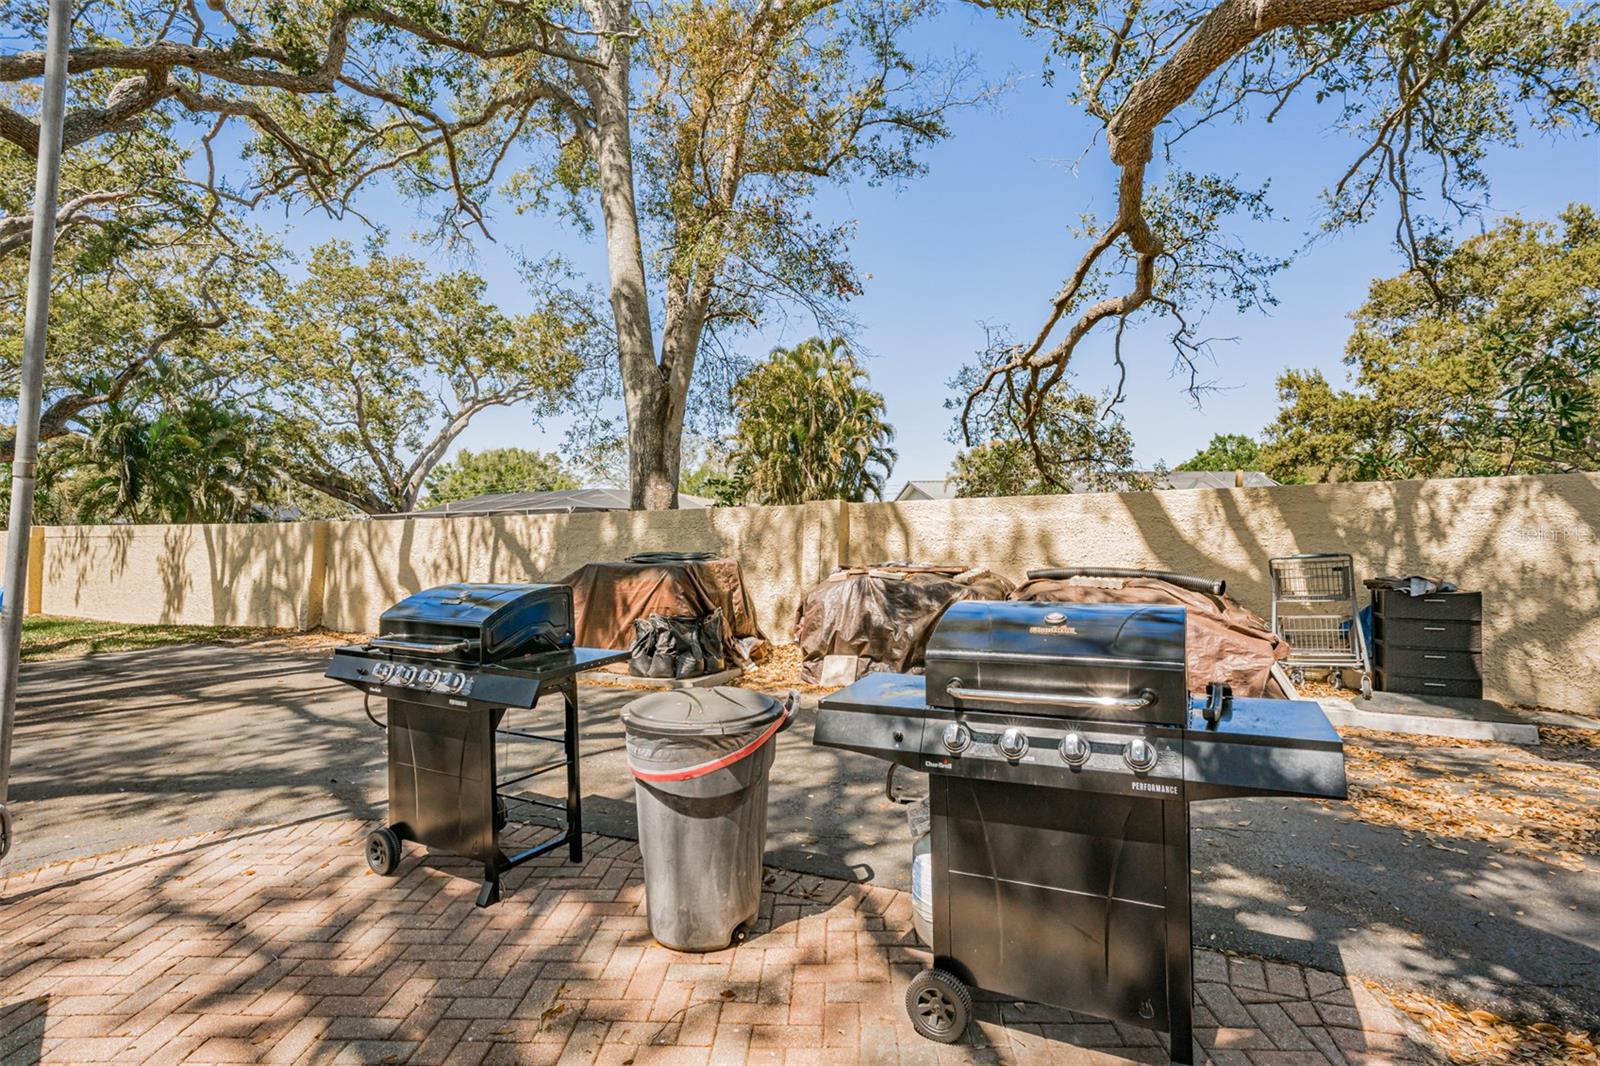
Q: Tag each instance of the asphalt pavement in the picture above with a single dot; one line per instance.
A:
(136, 747)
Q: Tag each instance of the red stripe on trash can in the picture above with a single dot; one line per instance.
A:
(690, 772)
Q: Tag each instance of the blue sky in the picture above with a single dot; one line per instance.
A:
(984, 237)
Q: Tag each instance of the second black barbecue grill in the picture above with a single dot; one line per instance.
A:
(450, 663)
(1063, 749)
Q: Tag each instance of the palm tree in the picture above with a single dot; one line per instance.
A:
(209, 464)
(114, 458)
(810, 428)
(203, 461)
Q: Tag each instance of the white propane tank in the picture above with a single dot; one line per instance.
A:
(922, 888)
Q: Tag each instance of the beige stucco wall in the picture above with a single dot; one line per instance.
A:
(1530, 544)
(370, 565)
(201, 575)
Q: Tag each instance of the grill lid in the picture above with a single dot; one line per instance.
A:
(1074, 660)
(479, 622)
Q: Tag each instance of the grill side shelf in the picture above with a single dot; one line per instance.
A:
(1265, 748)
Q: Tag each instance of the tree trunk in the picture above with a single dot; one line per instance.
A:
(653, 442)
(652, 475)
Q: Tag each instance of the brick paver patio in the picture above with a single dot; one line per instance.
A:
(278, 946)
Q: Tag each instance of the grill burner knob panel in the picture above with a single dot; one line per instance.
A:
(1141, 755)
(1013, 743)
(1074, 749)
(957, 738)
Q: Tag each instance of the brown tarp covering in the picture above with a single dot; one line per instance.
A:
(1225, 641)
(882, 616)
(608, 597)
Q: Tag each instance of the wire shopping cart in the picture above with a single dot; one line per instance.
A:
(1314, 609)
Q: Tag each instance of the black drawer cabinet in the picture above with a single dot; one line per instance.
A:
(1428, 644)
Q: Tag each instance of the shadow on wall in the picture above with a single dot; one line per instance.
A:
(233, 574)
(1530, 544)
(782, 551)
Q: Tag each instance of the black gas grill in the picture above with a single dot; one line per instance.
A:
(450, 662)
(1063, 750)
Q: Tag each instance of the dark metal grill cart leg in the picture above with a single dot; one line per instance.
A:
(572, 834)
(1180, 942)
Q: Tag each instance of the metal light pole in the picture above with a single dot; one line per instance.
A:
(35, 328)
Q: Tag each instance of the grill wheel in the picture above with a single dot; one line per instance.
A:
(939, 1004)
(383, 851)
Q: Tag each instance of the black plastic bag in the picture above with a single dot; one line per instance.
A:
(688, 660)
(651, 654)
(679, 646)
(711, 642)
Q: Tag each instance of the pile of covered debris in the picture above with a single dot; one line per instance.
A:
(863, 619)
(867, 618)
(683, 614)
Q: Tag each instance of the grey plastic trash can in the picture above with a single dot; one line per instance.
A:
(700, 759)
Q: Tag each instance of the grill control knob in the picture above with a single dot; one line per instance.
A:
(1013, 743)
(957, 738)
(450, 681)
(1074, 749)
(1140, 754)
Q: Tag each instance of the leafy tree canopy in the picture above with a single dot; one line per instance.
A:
(145, 459)
(369, 368)
(1076, 442)
(1227, 451)
(1423, 90)
(1488, 363)
(809, 428)
(703, 138)
(497, 470)
(165, 299)
(295, 103)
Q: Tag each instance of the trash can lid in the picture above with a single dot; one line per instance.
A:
(702, 712)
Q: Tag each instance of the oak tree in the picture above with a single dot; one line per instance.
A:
(1227, 451)
(116, 318)
(369, 369)
(497, 470)
(1078, 442)
(702, 129)
(1422, 89)
(1488, 365)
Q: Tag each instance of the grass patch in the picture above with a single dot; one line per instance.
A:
(48, 637)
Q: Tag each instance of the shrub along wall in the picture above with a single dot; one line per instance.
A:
(1531, 544)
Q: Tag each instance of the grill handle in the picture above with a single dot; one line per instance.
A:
(420, 647)
(1001, 695)
(1183, 581)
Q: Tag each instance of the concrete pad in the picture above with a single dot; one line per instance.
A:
(1432, 716)
(602, 679)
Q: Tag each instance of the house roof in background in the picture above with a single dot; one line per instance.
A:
(1176, 479)
(1215, 479)
(936, 489)
(559, 501)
